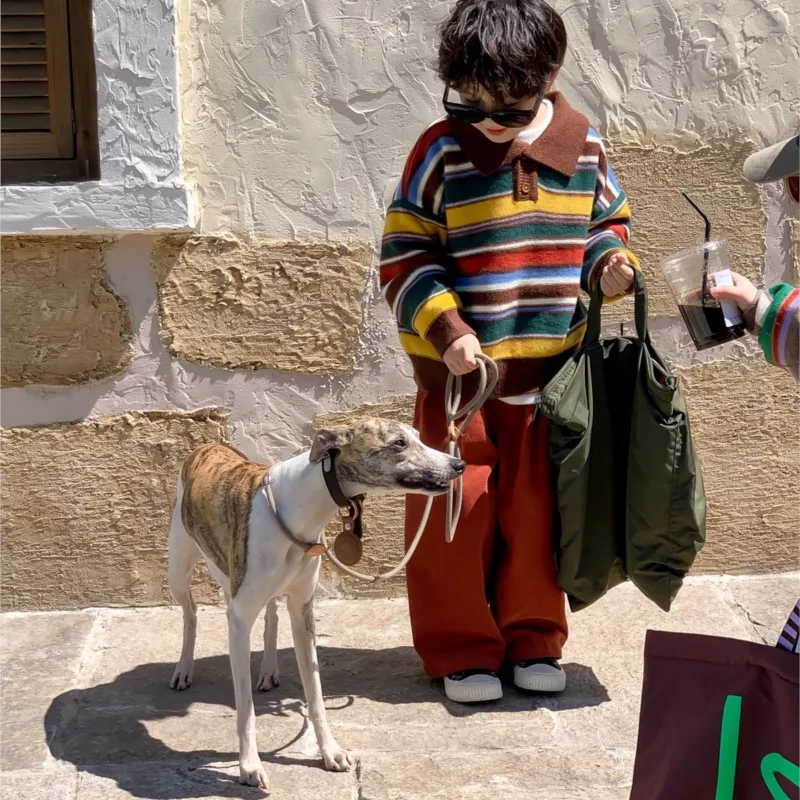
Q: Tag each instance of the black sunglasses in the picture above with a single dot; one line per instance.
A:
(506, 118)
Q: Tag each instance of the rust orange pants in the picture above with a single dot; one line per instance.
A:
(491, 596)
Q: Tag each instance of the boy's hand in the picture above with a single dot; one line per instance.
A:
(460, 356)
(743, 292)
(617, 276)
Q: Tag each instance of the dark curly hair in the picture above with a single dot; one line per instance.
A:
(509, 48)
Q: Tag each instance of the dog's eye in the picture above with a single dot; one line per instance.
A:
(399, 444)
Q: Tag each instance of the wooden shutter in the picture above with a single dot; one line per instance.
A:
(36, 85)
(48, 97)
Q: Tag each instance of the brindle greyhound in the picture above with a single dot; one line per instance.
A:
(223, 515)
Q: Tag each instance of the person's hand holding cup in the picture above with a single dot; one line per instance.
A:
(743, 292)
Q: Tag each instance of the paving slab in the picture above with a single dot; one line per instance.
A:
(104, 724)
(766, 601)
(58, 782)
(212, 780)
(39, 659)
(516, 775)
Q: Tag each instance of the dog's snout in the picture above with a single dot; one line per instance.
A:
(459, 465)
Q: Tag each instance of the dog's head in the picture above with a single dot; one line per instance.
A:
(380, 455)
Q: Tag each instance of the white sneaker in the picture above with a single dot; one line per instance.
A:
(473, 686)
(540, 675)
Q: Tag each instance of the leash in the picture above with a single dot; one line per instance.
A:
(487, 381)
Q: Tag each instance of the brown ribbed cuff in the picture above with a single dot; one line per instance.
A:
(446, 328)
(597, 272)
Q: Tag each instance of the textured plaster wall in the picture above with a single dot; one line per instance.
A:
(295, 120)
(297, 116)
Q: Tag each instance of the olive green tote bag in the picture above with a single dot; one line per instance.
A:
(629, 489)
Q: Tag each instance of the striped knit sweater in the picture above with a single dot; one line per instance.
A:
(498, 240)
(775, 318)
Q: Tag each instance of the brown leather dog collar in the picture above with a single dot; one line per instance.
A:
(347, 545)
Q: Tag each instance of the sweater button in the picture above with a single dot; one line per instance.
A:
(526, 188)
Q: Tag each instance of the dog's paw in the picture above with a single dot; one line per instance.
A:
(337, 759)
(182, 677)
(269, 677)
(267, 681)
(253, 775)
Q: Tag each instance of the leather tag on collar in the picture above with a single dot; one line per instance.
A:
(347, 545)
(526, 179)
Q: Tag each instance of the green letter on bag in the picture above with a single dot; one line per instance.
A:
(728, 747)
(775, 764)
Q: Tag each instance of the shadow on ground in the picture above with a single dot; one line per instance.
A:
(100, 728)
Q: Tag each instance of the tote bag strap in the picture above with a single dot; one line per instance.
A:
(594, 321)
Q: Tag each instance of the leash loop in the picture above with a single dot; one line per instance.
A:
(463, 415)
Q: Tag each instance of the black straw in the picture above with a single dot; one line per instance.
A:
(704, 295)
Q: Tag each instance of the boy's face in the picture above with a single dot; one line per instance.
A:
(489, 128)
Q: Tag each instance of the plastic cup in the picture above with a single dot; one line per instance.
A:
(710, 322)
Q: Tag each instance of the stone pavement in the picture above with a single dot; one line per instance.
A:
(87, 715)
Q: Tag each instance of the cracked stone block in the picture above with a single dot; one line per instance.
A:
(86, 509)
(62, 323)
(290, 306)
(654, 171)
(743, 416)
(383, 514)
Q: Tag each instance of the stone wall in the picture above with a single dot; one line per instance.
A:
(120, 353)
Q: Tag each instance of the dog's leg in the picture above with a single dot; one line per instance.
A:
(301, 612)
(242, 613)
(269, 676)
(183, 555)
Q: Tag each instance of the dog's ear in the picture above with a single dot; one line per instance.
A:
(327, 440)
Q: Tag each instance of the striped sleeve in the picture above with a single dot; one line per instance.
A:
(779, 334)
(413, 275)
(610, 224)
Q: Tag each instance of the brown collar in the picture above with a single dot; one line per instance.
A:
(559, 147)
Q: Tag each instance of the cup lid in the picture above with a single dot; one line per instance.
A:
(697, 250)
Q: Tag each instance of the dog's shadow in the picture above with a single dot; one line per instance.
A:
(102, 729)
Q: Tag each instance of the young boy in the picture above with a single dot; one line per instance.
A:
(774, 315)
(506, 209)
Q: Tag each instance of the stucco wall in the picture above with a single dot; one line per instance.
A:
(297, 116)
(296, 119)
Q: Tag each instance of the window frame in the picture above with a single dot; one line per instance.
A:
(72, 95)
(142, 187)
